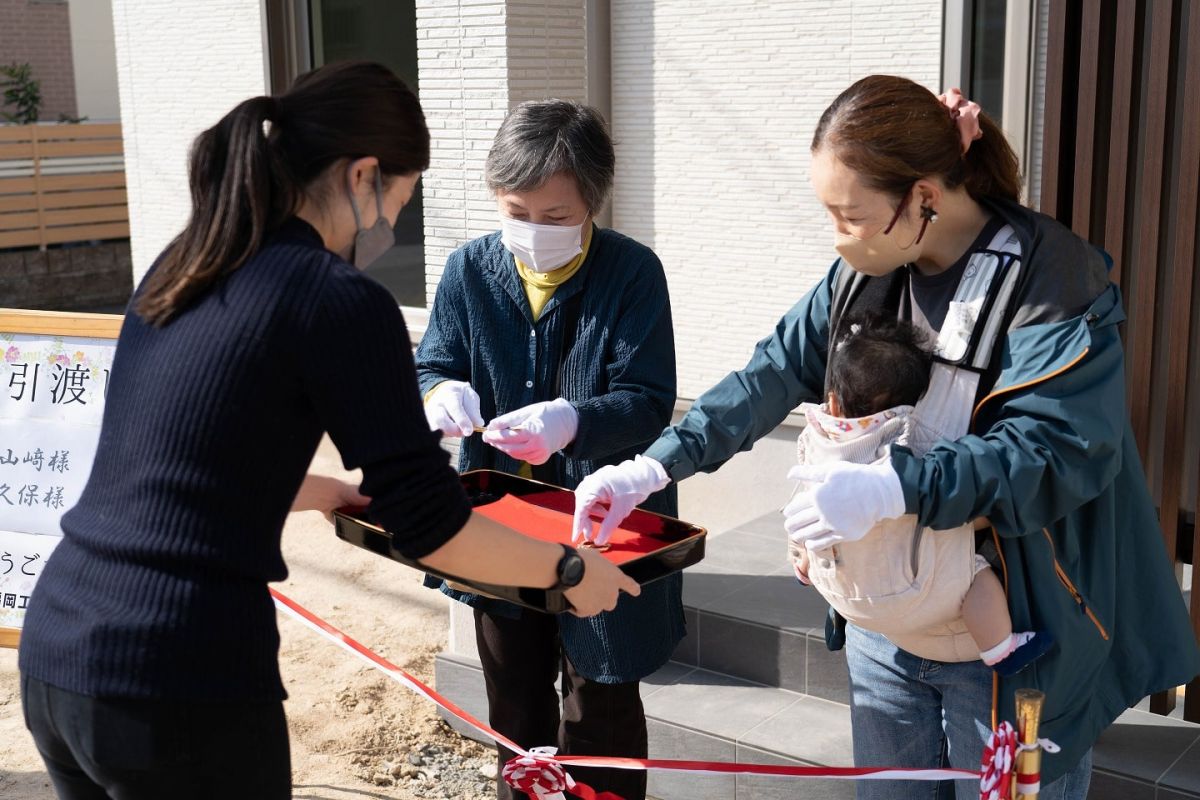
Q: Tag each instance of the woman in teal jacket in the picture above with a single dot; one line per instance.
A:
(1048, 459)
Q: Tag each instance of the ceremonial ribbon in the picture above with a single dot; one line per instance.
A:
(542, 772)
(999, 759)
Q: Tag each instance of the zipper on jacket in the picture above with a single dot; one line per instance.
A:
(1040, 379)
(996, 534)
(1070, 586)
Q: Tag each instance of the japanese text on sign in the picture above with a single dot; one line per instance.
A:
(52, 392)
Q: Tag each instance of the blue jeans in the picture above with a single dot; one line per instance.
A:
(907, 711)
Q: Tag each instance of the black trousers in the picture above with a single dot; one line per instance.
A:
(98, 749)
(521, 660)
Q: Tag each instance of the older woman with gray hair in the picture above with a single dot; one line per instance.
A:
(558, 333)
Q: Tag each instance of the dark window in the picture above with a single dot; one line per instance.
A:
(987, 56)
(304, 34)
(383, 31)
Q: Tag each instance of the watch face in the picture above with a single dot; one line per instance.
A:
(570, 570)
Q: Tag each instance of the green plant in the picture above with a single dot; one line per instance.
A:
(21, 92)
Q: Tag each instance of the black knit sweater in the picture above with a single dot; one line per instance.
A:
(159, 587)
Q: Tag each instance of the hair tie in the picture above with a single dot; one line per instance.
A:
(274, 109)
(965, 114)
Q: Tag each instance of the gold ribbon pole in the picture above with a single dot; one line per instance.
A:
(1027, 777)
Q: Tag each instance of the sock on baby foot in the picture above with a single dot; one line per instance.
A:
(1018, 651)
(995, 655)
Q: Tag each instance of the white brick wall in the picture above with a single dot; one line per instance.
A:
(478, 58)
(547, 50)
(714, 105)
(180, 67)
(462, 83)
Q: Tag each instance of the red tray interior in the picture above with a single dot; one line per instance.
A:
(548, 516)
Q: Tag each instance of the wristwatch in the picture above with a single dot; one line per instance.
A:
(570, 568)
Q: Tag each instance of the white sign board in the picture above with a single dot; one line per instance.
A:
(22, 556)
(52, 390)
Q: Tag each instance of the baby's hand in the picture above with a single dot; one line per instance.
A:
(800, 565)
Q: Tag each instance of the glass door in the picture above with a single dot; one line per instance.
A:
(383, 31)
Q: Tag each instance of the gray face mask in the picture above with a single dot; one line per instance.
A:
(371, 243)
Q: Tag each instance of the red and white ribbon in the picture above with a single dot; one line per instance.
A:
(543, 771)
(538, 774)
(998, 756)
(999, 761)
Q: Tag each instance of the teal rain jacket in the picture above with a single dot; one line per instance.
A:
(1050, 461)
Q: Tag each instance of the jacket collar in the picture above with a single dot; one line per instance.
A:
(1038, 352)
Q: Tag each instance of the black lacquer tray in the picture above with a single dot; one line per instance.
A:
(682, 544)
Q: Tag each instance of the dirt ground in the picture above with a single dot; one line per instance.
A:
(355, 733)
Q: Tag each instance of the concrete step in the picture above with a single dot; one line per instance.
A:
(696, 714)
(1145, 756)
(747, 615)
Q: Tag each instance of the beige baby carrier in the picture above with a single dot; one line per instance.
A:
(903, 580)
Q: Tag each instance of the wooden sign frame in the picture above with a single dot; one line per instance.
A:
(55, 323)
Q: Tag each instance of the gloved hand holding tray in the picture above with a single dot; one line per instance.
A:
(647, 546)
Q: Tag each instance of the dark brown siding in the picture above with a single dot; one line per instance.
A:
(1121, 167)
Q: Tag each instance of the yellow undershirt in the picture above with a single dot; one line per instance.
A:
(539, 288)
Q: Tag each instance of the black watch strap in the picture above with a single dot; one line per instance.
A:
(570, 568)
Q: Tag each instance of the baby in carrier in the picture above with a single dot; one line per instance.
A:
(901, 580)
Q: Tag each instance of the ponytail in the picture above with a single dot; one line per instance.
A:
(990, 167)
(246, 179)
(239, 192)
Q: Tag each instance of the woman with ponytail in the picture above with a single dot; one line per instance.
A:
(149, 654)
(1027, 396)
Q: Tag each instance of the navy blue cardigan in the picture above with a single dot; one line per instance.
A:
(159, 587)
(618, 372)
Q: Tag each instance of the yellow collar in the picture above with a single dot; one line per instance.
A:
(555, 277)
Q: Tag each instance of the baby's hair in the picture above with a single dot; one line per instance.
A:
(879, 363)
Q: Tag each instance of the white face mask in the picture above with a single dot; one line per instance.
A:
(542, 248)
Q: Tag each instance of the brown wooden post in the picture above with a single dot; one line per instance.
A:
(37, 187)
(1178, 226)
(1184, 258)
(1179, 306)
(1118, 141)
(1146, 212)
(1085, 122)
(1052, 114)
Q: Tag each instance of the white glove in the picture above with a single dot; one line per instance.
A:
(610, 493)
(848, 501)
(453, 409)
(535, 432)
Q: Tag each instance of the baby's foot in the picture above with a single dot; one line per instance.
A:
(1017, 652)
